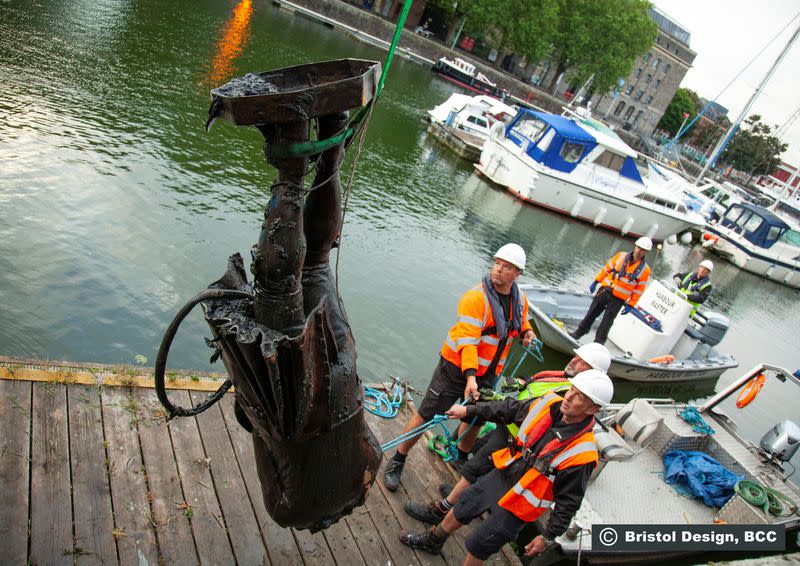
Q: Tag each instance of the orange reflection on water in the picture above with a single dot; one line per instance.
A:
(231, 43)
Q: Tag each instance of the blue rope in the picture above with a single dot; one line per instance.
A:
(436, 420)
(533, 349)
(692, 416)
(382, 405)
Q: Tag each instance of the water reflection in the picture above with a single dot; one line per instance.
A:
(230, 45)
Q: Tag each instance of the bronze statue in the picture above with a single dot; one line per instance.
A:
(285, 340)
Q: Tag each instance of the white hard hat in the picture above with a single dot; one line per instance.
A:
(596, 355)
(595, 384)
(708, 264)
(512, 253)
(645, 243)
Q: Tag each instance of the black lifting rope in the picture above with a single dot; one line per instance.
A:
(166, 343)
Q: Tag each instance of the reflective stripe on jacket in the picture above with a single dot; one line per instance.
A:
(532, 495)
(624, 285)
(465, 346)
(690, 286)
(542, 383)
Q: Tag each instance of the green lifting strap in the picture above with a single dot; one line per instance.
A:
(305, 149)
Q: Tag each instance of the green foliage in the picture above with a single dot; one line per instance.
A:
(753, 148)
(601, 39)
(522, 26)
(680, 104)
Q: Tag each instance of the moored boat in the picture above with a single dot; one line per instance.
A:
(628, 486)
(679, 351)
(756, 240)
(579, 167)
(467, 76)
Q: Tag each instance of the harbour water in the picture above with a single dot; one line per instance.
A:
(117, 207)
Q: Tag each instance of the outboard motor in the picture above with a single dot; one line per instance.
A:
(782, 441)
(715, 327)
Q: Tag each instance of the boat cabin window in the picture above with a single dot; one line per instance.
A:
(478, 121)
(791, 237)
(775, 232)
(572, 152)
(544, 143)
(733, 214)
(611, 160)
(655, 200)
(752, 223)
(531, 128)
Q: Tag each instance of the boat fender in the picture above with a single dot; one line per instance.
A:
(686, 238)
(576, 208)
(710, 237)
(770, 271)
(750, 391)
(666, 359)
(672, 239)
(652, 231)
(497, 132)
(601, 214)
(627, 226)
(788, 277)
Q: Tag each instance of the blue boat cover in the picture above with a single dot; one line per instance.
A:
(700, 475)
(762, 236)
(565, 127)
(565, 131)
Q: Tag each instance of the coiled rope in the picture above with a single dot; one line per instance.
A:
(768, 499)
(692, 416)
(378, 402)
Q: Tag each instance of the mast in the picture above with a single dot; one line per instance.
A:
(726, 138)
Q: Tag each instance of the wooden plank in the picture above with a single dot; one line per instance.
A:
(314, 548)
(240, 518)
(389, 528)
(342, 544)
(280, 542)
(173, 530)
(15, 424)
(136, 540)
(208, 523)
(412, 487)
(367, 538)
(94, 522)
(51, 502)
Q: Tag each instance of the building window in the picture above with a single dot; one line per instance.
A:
(647, 58)
(648, 78)
(637, 74)
(649, 99)
(639, 115)
(639, 95)
(629, 90)
(619, 109)
(667, 67)
(657, 62)
(667, 47)
(658, 82)
(629, 113)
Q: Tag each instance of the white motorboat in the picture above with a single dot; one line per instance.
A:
(462, 122)
(579, 167)
(627, 487)
(681, 350)
(756, 240)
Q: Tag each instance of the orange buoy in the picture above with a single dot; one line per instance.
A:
(712, 237)
(750, 391)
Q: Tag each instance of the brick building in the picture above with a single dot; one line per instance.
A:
(778, 179)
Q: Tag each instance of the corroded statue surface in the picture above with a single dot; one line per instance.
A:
(288, 348)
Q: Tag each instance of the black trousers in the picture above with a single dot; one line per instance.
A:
(603, 301)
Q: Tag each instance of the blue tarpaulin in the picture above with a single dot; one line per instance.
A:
(700, 475)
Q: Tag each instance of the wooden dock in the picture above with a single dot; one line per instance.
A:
(92, 474)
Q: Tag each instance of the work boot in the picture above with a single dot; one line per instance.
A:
(428, 541)
(391, 478)
(445, 488)
(431, 513)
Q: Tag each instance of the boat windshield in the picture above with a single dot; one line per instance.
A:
(530, 128)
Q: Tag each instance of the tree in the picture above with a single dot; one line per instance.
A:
(680, 105)
(455, 13)
(753, 149)
(522, 26)
(600, 39)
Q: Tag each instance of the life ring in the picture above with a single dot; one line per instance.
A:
(750, 391)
